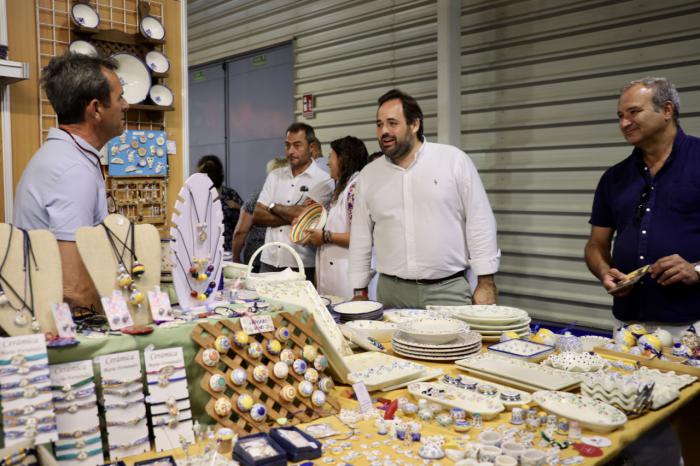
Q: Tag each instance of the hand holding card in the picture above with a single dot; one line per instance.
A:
(630, 279)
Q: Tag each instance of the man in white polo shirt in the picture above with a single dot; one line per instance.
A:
(424, 209)
(282, 196)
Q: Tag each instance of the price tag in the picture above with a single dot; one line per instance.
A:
(362, 396)
(257, 324)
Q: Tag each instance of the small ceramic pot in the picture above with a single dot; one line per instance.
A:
(489, 453)
(491, 438)
(513, 449)
(238, 376)
(222, 407)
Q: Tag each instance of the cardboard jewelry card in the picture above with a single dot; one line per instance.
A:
(168, 398)
(116, 311)
(125, 410)
(25, 390)
(161, 310)
(65, 326)
(79, 441)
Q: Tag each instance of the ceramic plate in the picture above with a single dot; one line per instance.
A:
(381, 331)
(577, 362)
(445, 352)
(378, 370)
(85, 16)
(487, 314)
(469, 401)
(521, 329)
(467, 339)
(432, 357)
(589, 342)
(525, 397)
(670, 378)
(161, 95)
(84, 47)
(134, 77)
(524, 372)
(519, 324)
(357, 307)
(403, 315)
(434, 330)
(313, 217)
(521, 348)
(157, 62)
(592, 414)
(151, 28)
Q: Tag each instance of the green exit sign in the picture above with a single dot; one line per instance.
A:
(199, 75)
(259, 60)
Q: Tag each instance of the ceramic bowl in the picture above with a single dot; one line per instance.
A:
(134, 77)
(157, 62)
(377, 329)
(313, 217)
(358, 307)
(84, 16)
(434, 330)
(161, 95)
(151, 28)
(577, 362)
(83, 47)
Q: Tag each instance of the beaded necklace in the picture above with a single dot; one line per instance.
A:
(201, 223)
(125, 279)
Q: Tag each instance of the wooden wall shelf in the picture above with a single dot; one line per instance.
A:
(151, 108)
(113, 35)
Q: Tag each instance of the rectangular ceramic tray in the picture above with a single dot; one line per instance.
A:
(378, 370)
(674, 363)
(525, 374)
(522, 349)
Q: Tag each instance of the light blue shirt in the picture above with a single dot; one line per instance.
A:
(62, 188)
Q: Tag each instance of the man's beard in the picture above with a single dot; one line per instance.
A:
(400, 150)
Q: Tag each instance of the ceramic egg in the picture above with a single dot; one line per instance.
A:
(217, 383)
(274, 346)
(569, 343)
(311, 375)
(255, 350)
(680, 350)
(318, 398)
(691, 340)
(665, 336)
(237, 376)
(240, 338)
(287, 356)
(625, 337)
(309, 353)
(299, 366)
(280, 370)
(325, 384)
(282, 334)
(288, 393)
(321, 363)
(637, 330)
(260, 373)
(222, 407)
(210, 357)
(258, 412)
(305, 388)
(244, 402)
(509, 335)
(635, 351)
(544, 336)
(651, 341)
(222, 344)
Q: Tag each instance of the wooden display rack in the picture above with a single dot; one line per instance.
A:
(141, 200)
(300, 410)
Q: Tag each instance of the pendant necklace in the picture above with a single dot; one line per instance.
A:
(197, 270)
(28, 256)
(201, 223)
(125, 276)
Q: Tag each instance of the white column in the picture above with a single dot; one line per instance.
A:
(448, 72)
(8, 182)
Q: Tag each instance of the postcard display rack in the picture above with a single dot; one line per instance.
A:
(197, 247)
(306, 369)
(30, 280)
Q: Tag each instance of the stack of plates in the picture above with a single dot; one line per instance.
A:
(490, 320)
(359, 310)
(464, 345)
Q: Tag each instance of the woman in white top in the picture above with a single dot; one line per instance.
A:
(348, 156)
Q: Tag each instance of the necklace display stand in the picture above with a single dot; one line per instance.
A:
(102, 264)
(198, 246)
(46, 280)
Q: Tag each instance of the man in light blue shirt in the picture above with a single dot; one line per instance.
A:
(62, 188)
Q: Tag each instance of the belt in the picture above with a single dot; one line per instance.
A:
(426, 281)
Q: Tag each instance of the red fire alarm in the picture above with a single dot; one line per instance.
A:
(307, 105)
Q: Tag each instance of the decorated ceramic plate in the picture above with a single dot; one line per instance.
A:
(84, 15)
(436, 352)
(521, 348)
(519, 324)
(577, 362)
(434, 330)
(469, 401)
(589, 342)
(391, 371)
(161, 95)
(433, 356)
(402, 315)
(134, 77)
(482, 313)
(466, 339)
(381, 331)
(313, 217)
(151, 28)
(157, 62)
(591, 414)
(358, 307)
(521, 329)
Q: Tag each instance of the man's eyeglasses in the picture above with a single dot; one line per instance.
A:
(641, 206)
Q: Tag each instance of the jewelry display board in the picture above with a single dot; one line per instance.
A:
(39, 286)
(197, 246)
(300, 409)
(141, 200)
(103, 265)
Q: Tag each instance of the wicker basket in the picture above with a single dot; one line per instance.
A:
(252, 280)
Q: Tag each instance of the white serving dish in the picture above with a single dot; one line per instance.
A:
(161, 95)
(521, 348)
(376, 372)
(398, 316)
(576, 362)
(434, 330)
(670, 378)
(525, 397)
(525, 374)
(622, 389)
(151, 28)
(589, 342)
(134, 77)
(380, 331)
(428, 374)
(512, 326)
(469, 401)
(358, 307)
(486, 314)
(157, 62)
(83, 47)
(436, 351)
(591, 414)
(362, 340)
(463, 340)
(84, 15)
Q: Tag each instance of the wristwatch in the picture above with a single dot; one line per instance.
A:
(271, 206)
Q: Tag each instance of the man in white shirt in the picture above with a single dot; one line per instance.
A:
(282, 196)
(425, 210)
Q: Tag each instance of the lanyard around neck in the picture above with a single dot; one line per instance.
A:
(85, 151)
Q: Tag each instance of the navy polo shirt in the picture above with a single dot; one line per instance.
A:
(669, 224)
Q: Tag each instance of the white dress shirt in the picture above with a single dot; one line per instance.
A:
(282, 188)
(427, 221)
